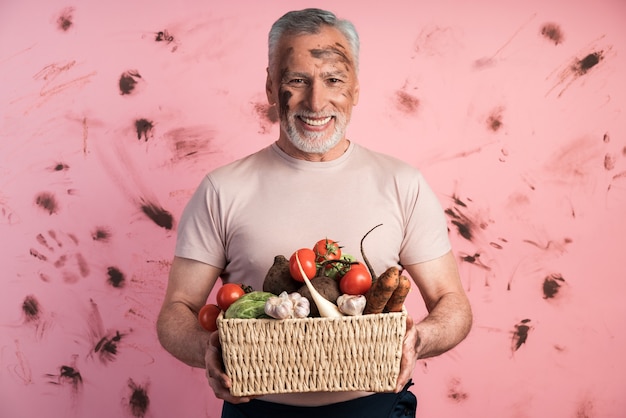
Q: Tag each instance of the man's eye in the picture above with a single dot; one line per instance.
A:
(334, 80)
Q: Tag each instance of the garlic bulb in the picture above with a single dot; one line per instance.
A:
(286, 306)
(301, 305)
(279, 307)
(351, 304)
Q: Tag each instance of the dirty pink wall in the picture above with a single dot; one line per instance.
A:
(110, 113)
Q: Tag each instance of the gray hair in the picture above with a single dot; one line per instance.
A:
(310, 21)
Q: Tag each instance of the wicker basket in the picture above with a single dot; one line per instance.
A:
(265, 356)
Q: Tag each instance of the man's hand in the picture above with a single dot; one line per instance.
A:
(218, 380)
(409, 354)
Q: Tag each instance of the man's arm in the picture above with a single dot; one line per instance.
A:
(449, 316)
(189, 285)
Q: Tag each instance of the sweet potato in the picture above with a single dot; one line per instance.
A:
(278, 279)
(381, 290)
(396, 301)
(326, 286)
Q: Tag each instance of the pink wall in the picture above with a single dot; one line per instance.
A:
(514, 111)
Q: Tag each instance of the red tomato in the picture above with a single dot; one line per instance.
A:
(227, 294)
(208, 315)
(356, 281)
(307, 260)
(326, 249)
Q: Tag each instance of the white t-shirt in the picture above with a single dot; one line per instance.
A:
(245, 213)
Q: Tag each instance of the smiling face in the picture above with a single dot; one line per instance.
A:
(315, 87)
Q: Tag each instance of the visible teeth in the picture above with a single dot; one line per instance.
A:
(316, 122)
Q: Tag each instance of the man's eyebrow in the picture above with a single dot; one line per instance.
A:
(295, 74)
(325, 74)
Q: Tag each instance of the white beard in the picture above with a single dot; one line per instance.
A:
(313, 142)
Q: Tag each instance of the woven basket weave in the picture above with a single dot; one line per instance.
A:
(265, 356)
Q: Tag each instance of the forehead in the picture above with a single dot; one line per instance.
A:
(328, 45)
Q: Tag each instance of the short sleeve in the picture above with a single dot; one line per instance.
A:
(426, 234)
(200, 235)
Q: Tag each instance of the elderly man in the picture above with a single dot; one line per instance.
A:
(312, 182)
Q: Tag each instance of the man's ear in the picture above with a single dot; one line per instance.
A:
(269, 88)
(357, 91)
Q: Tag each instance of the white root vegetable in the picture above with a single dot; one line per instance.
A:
(327, 308)
(351, 304)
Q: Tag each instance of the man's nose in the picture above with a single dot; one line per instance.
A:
(317, 96)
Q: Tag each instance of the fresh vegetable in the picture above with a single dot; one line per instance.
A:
(278, 277)
(301, 305)
(250, 305)
(326, 308)
(367, 263)
(227, 294)
(325, 286)
(382, 289)
(396, 301)
(279, 307)
(207, 316)
(326, 249)
(286, 306)
(337, 268)
(356, 281)
(306, 267)
(351, 304)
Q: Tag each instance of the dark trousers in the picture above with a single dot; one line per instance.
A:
(378, 405)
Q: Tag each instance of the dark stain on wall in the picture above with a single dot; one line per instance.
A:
(60, 166)
(66, 19)
(553, 33)
(115, 277)
(31, 309)
(267, 114)
(67, 375)
(520, 334)
(164, 36)
(144, 128)
(128, 81)
(494, 120)
(475, 260)
(579, 67)
(159, 216)
(466, 225)
(48, 202)
(139, 401)
(455, 392)
(106, 347)
(551, 285)
(609, 161)
(406, 103)
(582, 66)
(189, 142)
(101, 234)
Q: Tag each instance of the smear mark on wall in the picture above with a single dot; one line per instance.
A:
(128, 82)
(520, 334)
(138, 400)
(552, 32)
(586, 63)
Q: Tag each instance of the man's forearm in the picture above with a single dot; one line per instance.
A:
(181, 335)
(446, 325)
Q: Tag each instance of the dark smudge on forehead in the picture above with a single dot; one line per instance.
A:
(337, 51)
